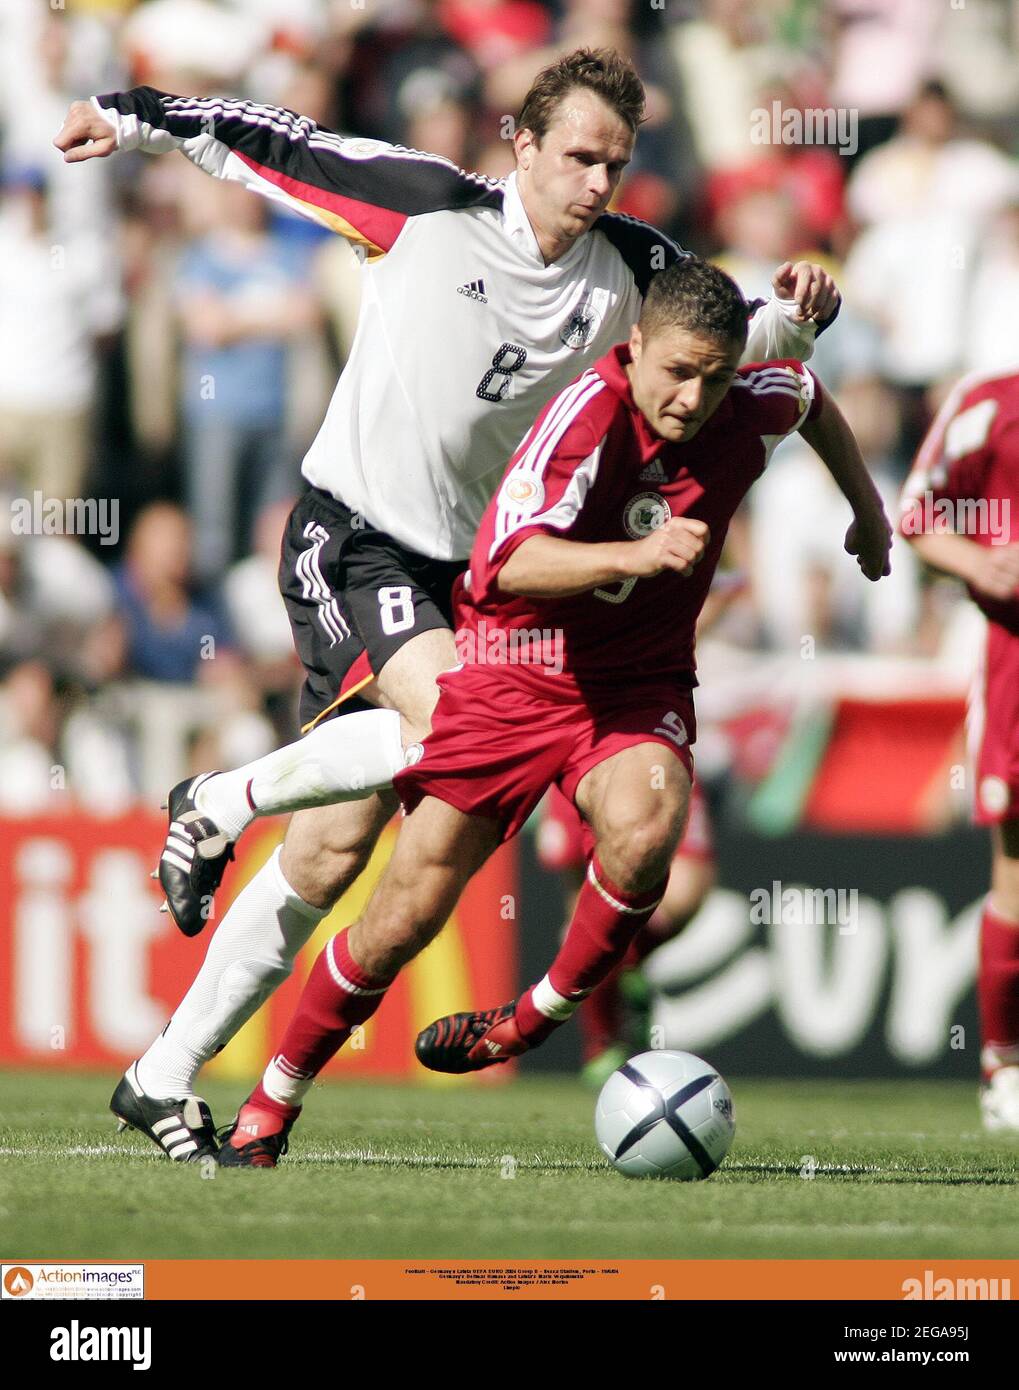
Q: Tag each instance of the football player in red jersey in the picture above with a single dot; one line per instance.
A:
(576, 636)
(958, 508)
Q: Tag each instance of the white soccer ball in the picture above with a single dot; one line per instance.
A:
(665, 1115)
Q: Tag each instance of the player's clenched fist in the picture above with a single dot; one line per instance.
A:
(810, 285)
(678, 545)
(85, 134)
(869, 538)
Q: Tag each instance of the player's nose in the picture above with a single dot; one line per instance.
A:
(692, 394)
(599, 184)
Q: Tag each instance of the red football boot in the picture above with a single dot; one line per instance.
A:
(468, 1042)
(258, 1137)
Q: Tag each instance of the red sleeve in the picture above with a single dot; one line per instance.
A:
(953, 459)
(783, 396)
(547, 482)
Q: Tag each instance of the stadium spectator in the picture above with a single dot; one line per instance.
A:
(243, 296)
(54, 599)
(170, 634)
(989, 341)
(48, 334)
(397, 64)
(931, 168)
(724, 54)
(925, 200)
(882, 51)
(805, 589)
(258, 616)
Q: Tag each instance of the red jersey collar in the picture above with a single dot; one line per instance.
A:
(612, 369)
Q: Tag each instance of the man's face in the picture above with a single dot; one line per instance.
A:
(679, 379)
(568, 180)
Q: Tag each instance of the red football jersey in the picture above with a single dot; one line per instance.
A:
(966, 475)
(591, 469)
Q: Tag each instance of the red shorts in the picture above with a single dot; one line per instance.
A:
(497, 745)
(565, 840)
(993, 729)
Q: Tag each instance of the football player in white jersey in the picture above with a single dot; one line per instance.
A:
(481, 300)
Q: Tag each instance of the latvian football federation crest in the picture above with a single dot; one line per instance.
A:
(580, 327)
(645, 513)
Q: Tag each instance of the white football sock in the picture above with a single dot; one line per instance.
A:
(250, 956)
(345, 759)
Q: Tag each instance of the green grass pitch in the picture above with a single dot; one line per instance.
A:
(899, 1169)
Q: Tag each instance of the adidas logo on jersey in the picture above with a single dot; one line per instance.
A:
(653, 473)
(474, 289)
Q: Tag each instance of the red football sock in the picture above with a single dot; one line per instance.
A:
(601, 1018)
(338, 996)
(604, 922)
(998, 988)
(657, 929)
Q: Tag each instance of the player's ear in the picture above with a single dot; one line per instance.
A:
(636, 343)
(523, 144)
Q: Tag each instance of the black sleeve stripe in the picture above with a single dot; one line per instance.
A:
(406, 182)
(644, 248)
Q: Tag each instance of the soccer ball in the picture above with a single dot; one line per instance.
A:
(665, 1115)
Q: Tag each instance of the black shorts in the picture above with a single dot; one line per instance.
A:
(354, 596)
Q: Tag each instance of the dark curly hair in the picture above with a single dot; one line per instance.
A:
(695, 295)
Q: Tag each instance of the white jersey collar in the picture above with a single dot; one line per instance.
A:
(518, 226)
(516, 221)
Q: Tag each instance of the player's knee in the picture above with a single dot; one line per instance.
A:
(320, 870)
(637, 849)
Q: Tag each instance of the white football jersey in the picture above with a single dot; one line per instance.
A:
(464, 332)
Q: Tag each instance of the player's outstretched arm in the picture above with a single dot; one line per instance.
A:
(364, 190)
(806, 300)
(869, 537)
(547, 567)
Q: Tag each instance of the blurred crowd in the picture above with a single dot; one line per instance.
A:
(171, 342)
